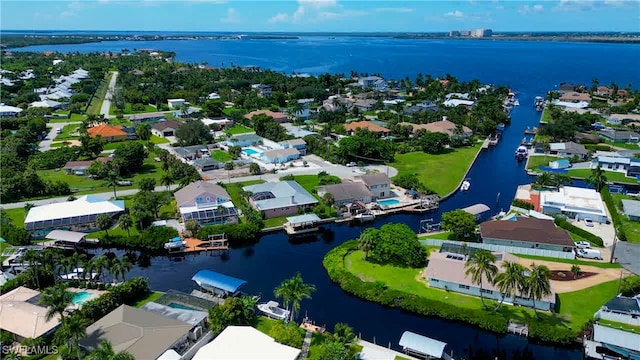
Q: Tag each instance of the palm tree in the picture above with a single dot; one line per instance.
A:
(510, 281)
(56, 298)
(293, 291)
(544, 179)
(104, 222)
(117, 268)
(575, 269)
(166, 180)
(192, 226)
(125, 222)
(481, 264)
(112, 180)
(32, 257)
(99, 264)
(72, 331)
(597, 178)
(28, 206)
(367, 241)
(105, 352)
(538, 283)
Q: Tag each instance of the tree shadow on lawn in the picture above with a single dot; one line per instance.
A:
(525, 315)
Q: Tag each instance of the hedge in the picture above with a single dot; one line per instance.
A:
(128, 293)
(378, 292)
(153, 238)
(236, 233)
(615, 215)
(522, 204)
(597, 147)
(593, 239)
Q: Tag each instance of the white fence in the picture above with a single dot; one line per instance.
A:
(625, 319)
(508, 249)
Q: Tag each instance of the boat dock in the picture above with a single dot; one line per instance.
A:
(518, 329)
(302, 224)
(215, 243)
(371, 351)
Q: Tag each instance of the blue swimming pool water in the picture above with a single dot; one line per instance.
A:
(249, 151)
(388, 202)
(81, 297)
(180, 306)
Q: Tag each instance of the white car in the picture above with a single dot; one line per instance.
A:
(351, 164)
(583, 245)
(588, 222)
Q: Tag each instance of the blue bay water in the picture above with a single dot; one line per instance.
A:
(530, 68)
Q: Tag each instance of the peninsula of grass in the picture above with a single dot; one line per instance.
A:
(534, 162)
(614, 176)
(441, 173)
(546, 116)
(405, 288)
(238, 129)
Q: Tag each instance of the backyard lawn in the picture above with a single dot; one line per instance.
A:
(128, 109)
(631, 228)
(69, 132)
(238, 129)
(221, 156)
(440, 173)
(234, 190)
(534, 162)
(546, 116)
(158, 140)
(16, 215)
(154, 295)
(611, 175)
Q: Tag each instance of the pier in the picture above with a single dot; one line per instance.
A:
(518, 329)
(215, 243)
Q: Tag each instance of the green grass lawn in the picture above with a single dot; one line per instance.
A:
(273, 222)
(310, 183)
(77, 117)
(16, 215)
(68, 133)
(546, 116)
(611, 175)
(128, 109)
(443, 235)
(154, 295)
(60, 144)
(534, 162)
(620, 326)
(578, 307)
(234, 190)
(264, 324)
(238, 129)
(221, 156)
(631, 228)
(630, 146)
(98, 98)
(158, 140)
(440, 173)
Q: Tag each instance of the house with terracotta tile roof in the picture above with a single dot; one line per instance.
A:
(353, 126)
(575, 97)
(443, 126)
(277, 116)
(109, 133)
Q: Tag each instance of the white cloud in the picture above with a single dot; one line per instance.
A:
(331, 15)
(526, 9)
(499, 7)
(318, 4)
(103, 1)
(395, 10)
(583, 5)
(280, 17)
(232, 16)
(455, 14)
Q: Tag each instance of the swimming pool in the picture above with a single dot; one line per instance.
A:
(180, 306)
(81, 297)
(388, 202)
(249, 151)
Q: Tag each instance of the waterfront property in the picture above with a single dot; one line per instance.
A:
(444, 126)
(423, 347)
(206, 203)
(274, 199)
(347, 192)
(568, 150)
(165, 128)
(143, 334)
(302, 224)
(77, 215)
(615, 330)
(621, 309)
(378, 183)
(575, 203)
(631, 209)
(218, 284)
(245, 342)
(66, 239)
(615, 163)
(527, 233)
(447, 271)
(619, 136)
(183, 313)
(22, 317)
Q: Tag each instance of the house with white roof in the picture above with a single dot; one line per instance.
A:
(77, 215)
(176, 103)
(375, 82)
(281, 198)
(575, 203)
(213, 96)
(9, 111)
(46, 103)
(23, 317)
(245, 342)
(458, 102)
(568, 149)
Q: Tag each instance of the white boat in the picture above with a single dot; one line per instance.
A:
(365, 217)
(516, 102)
(175, 244)
(521, 153)
(465, 185)
(273, 310)
(78, 274)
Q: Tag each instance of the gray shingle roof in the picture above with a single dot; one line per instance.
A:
(631, 207)
(623, 304)
(526, 229)
(282, 192)
(374, 179)
(348, 190)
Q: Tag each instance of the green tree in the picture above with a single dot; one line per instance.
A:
(72, 331)
(119, 268)
(434, 142)
(334, 350)
(28, 206)
(143, 131)
(538, 283)
(481, 265)
(33, 258)
(193, 132)
(99, 264)
(125, 222)
(130, 157)
(459, 222)
(147, 184)
(575, 269)
(343, 334)
(91, 146)
(213, 108)
(112, 180)
(234, 151)
(234, 311)
(287, 334)
(166, 180)
(597, 178)
(56, 299)
(367, 240)
(293, 291)
(511, 281)
(254, 169)
(398, 245)
(192, 226)
(105, 352)
(104, 222)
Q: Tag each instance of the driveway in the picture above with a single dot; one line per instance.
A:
(605, 231)
(628, 255)
(45, 144)
(106, 104)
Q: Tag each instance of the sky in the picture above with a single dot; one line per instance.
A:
(321, 15)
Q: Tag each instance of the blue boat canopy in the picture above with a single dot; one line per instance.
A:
(175, 239)
(216, 280)
(422, 344)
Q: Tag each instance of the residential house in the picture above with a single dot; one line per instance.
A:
(613, 337)
(613, 163)
(191, 152)
(274, 199)
(447, 271)
(424, 106)
(574, 203)
(23, 317)
(526, 233)
(353, 126)
(263, 90)
(47, 104)
(143, 334)
(373, 82)
(347, 192)
(568, 150)
(213, 96)
(245, 342)
(176, 103)
(208, 203)
(334, 102)
(365, 104)
(298, 144)
(277, 116)
(305, 109)
(146, 117)
(165, 128)
(619, 136)
(458, 102)
(80, 167)
(631, 209)
(243, 140)
(207, 164)
(444, 126)
(574, 97)
(221, 122)
(109, 133)
(9, 111)
(280, 156)
(378, 183)
(77, 215)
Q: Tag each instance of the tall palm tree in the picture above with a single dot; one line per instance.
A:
(72, 331)
(597, 178)
(32, 258)
(125, 222)
(510, 281)
(56, 298)
(78, 260)
(294, 290)
(104, 222)
(100, 264)
(119, 267)
(367, 241)
(481, 264)
(112, 180)
(544, 179)
(538, 283)
(166, 180)
(28, 206)
(105, 352)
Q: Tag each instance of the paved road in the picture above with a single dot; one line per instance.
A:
(45, 144)
(106, 104)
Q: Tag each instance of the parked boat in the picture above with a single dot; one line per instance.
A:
(466, 184)
(521, 153)
(539, 103)
(531, 131)
(273, 310)
(364, 217)
(494, 138)
(175, 243)
(79, 274)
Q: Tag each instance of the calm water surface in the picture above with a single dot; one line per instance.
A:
(530, 68)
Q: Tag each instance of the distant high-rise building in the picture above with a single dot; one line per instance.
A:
(477, 33)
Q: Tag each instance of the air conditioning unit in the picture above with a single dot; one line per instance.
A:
(195, 333)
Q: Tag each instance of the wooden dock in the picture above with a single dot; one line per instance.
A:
(518, 329)
(194, 245)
